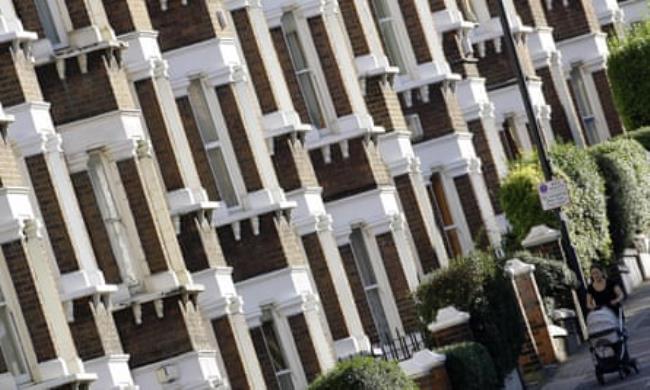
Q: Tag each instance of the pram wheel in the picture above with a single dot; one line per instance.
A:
(635, 365)
(599, 377)
(621, 374)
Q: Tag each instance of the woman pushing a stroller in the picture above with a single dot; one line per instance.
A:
(605, 323)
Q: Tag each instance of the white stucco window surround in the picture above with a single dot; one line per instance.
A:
(634, 11)
(220, 296)
(192, 370)
(590, 50)
(608, 12)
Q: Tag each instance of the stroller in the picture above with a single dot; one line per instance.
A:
(608, 344)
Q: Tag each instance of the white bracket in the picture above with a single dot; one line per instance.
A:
(345, 148)
(137, 313)
(255, 224)
(236, 230)
(327, 153)
(159, 306)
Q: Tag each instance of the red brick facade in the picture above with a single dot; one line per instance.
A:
(607, 102)
(232, 359)
(305, 346)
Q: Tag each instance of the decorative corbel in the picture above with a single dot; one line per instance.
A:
(565, 3)
(60, 68)
(163, 5)
(270, 145)
(497, 44)
(82, 58)
(159, 307)
(176, 220)
(481, 49)
(236, 230)
(424, 94)
(326, 150)
(549, 5)
(184, 2)
(408, 98)
(69, 310)
(137, 313)
(345, 148)
(255, 225)
(363, 82)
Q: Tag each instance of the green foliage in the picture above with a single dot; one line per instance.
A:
(477, 284)
(470, 367)
(587, 212)
(641, 136)
(363, 373)
(624, 163)
(519, 199)
(628, 67)
(554, 279)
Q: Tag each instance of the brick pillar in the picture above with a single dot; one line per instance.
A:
(532, 309)
(427, 369)
(451, 326)
(544, 241)
(642, 244)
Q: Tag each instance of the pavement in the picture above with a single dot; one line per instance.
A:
(577, 373)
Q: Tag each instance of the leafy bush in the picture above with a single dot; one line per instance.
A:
(628, 67)
(624, 163)
(519, 199)
(362, 373)
(587, 213)
(641, 136)
(554, 279)
(477, 284)
(470, 367)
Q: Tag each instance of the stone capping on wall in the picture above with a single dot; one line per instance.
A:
(448, 317)
(539, 235)
(516, 267)
(421, 363)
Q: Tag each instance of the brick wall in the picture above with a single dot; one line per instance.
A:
(29, 300)
(415, 31)
(142, 214)
(577, 18)
(497, 68)
(265, 360)
(397, 280)
(436, 380)
(531, 12)
(76, 96)
(239, 137)
(559, 119)
(284, 163)
(358, 292)
(198, 150)
(383, 104)
(460, 63)
(452, 335)
(325, 286)
(156, 338)
(437, 5)
(26, 10)
(191, 244)
(49, 205)
(18, 83)
(416, 223)
(305, 346)
(253, 255)
(9, 173)
(607, 102)
(127, 15)
(159, 134)
(354, 29)
(330, 67)
(85, 333)
(173, 34)
(289, 75)
(256, 66)
(96, 228)
(78, 13)
(344, 176)
(471, 209)
(488, 167)
(440, 116)
(231, 357)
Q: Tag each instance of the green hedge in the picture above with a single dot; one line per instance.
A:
(363, 373)
(628, 67)
(519, 199)
(554, 279)
(624, 163)
(641, 136)
(477, 284)
(470, 367)
(587, 212)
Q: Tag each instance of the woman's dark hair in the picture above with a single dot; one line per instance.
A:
(599, 268)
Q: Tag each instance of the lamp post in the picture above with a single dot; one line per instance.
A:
(536, 134)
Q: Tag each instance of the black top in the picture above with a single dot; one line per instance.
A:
(603, 298)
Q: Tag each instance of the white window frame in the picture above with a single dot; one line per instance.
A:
(321, 92)
(16, 365)
(385, 335)
(414, 124)
(199, 90)
(585, 107)
(113, 218)
(388, 24)
(268, 316)
(55, 10)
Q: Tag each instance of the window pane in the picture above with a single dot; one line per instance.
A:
(201, 112)
(295, 50)
(441, 200)
(378, 315)
(381, 8)
(10, 349)
(311, 99)
(362, 258)
(284, 381)
(222, 177)
(47, 21)
(391, 44)
(455, 249)
(590, 130)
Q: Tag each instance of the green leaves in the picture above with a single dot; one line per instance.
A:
(470, 367)
(362, 373)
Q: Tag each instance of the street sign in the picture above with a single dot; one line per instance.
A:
(553, 194)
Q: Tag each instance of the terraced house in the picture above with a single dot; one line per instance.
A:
(201, 194)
